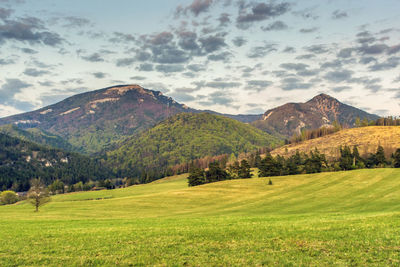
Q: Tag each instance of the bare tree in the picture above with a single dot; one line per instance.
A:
(38, 194)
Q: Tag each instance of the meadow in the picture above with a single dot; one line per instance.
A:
(341, 218)
(367, 139)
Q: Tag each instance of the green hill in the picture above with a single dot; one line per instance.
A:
(183, 138)
(38, 136)
(327, 219)
(22, 160)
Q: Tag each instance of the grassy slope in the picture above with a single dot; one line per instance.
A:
(344, 218)
(366, 138)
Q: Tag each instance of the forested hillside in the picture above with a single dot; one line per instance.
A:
(37, 136)
(181, 139)
(21, 161)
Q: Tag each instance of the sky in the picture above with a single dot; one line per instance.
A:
(231, 56)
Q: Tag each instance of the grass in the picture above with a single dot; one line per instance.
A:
(367, 139)
(343, 218)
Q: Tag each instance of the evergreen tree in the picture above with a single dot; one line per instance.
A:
(396, 158)
(215, 173)
(196, 177)
(267, 166)
(346, 158)
(380, 159)
(244, 171)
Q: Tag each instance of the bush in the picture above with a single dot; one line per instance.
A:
(8, 197)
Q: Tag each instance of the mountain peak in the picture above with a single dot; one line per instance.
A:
(123, 89)
(322, 97)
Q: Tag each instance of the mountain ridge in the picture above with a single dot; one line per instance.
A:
(321, 110)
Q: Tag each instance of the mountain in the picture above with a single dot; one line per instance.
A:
(367, 140)
(37, 136)
(183, 138)
(21, 161)
(93, 120)
(322, 110)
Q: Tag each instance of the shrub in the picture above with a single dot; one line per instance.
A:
(8, 197)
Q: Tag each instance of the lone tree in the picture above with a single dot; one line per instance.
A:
(38, 194)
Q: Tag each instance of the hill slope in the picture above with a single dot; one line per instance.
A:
(93, 120)
(37, 136)
(326, 219)
(21, 161)
(322, 110)
(183, 138)
(367, 139)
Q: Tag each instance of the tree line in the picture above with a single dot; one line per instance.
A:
(299, 163)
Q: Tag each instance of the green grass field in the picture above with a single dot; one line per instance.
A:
(344, 218)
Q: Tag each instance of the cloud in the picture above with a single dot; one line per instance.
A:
(224, 56)
(125, 62)
(169, 68)
(332, 64)
(99, 75)
(339, 14)
(138, 78)
(188, 41)
(367, 60)
(257, 85)
(223, 98)
(294, 66)
(10, 88)
(260, 12)
(119, 37)
(5, 13)
(275, 26)
(345, 52)
(95, 57)
(6, 62)
(317, 49)
(239, 41)
(222, 85)
(29, 51)
(35, 72)
(338, 75)
(196, 67)
(224, 19)
(393, 49)
(30, 30)
(196, 7)
(308, 13)
(145, 67)
(182, 97)
(293, 83)
(389, 64)
(261, 51)
(305, 56)
(373, 49)
(76, 22)
(339, 89)
(212, 43)
(308, 30)
(289, 49)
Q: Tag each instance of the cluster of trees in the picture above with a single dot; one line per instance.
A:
(299, 163)
(217, 172)
(388, 121)
(307, 134)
